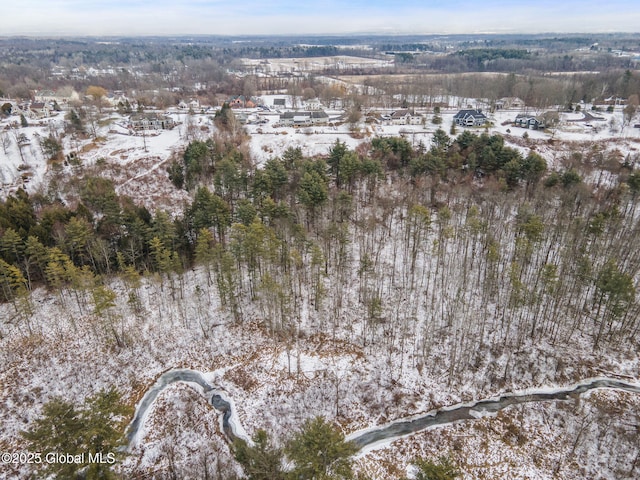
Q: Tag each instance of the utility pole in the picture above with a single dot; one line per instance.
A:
(145, 124)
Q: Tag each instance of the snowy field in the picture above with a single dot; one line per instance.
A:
(310, 64)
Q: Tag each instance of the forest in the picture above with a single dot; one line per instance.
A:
(463, 223)
(464, 246)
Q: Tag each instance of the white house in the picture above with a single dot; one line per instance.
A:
(509, 103)
(63, 97)
(313, 104)
(304, 118)
(401, 117)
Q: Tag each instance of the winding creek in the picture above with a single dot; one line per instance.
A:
(214, 395)
(379, 435)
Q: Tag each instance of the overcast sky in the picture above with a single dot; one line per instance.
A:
(242, 17)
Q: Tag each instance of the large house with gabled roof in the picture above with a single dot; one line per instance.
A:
(39, 110)
(150, 121)
(529, 121)
(470, 118)
(62, 97)
(401, 117)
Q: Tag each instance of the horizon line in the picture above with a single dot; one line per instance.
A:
(321, 35)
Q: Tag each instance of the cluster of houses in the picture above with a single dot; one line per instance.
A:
(47, 103)
(320, 117)
(31, 110)
(311, 113)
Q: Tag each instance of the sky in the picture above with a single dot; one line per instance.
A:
(266, 17)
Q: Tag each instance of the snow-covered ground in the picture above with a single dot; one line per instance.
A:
(22, 165)
(309, 64)
(276, 384)
(137, 163)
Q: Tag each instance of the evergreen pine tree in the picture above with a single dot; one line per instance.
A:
(96, 430)
(443, 469)
(319, 451)
(262, 461)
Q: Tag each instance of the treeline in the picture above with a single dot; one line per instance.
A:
(481, 58)
(519, 61)
(469, 230)
(122, 52)
(409, 47)
(284, 51)
(536, 91)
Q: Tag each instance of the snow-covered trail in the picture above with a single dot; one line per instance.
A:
(371, 438)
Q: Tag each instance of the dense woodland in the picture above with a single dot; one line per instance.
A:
(468, 229)
(464, 244)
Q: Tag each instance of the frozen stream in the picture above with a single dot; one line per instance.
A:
(214, 395)
(376, 436)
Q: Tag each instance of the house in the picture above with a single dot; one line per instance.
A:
(240, 101)
(63, 97)
(615, 101)
(336, 103)
(550, 118)
(529, 121)
(39, 110)
(45, 96)
(400, 117)
(192, 105)
(304, 118)
(470, 118)
(313, 104)
(509, 103)
(115, 99)
(150, 121)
